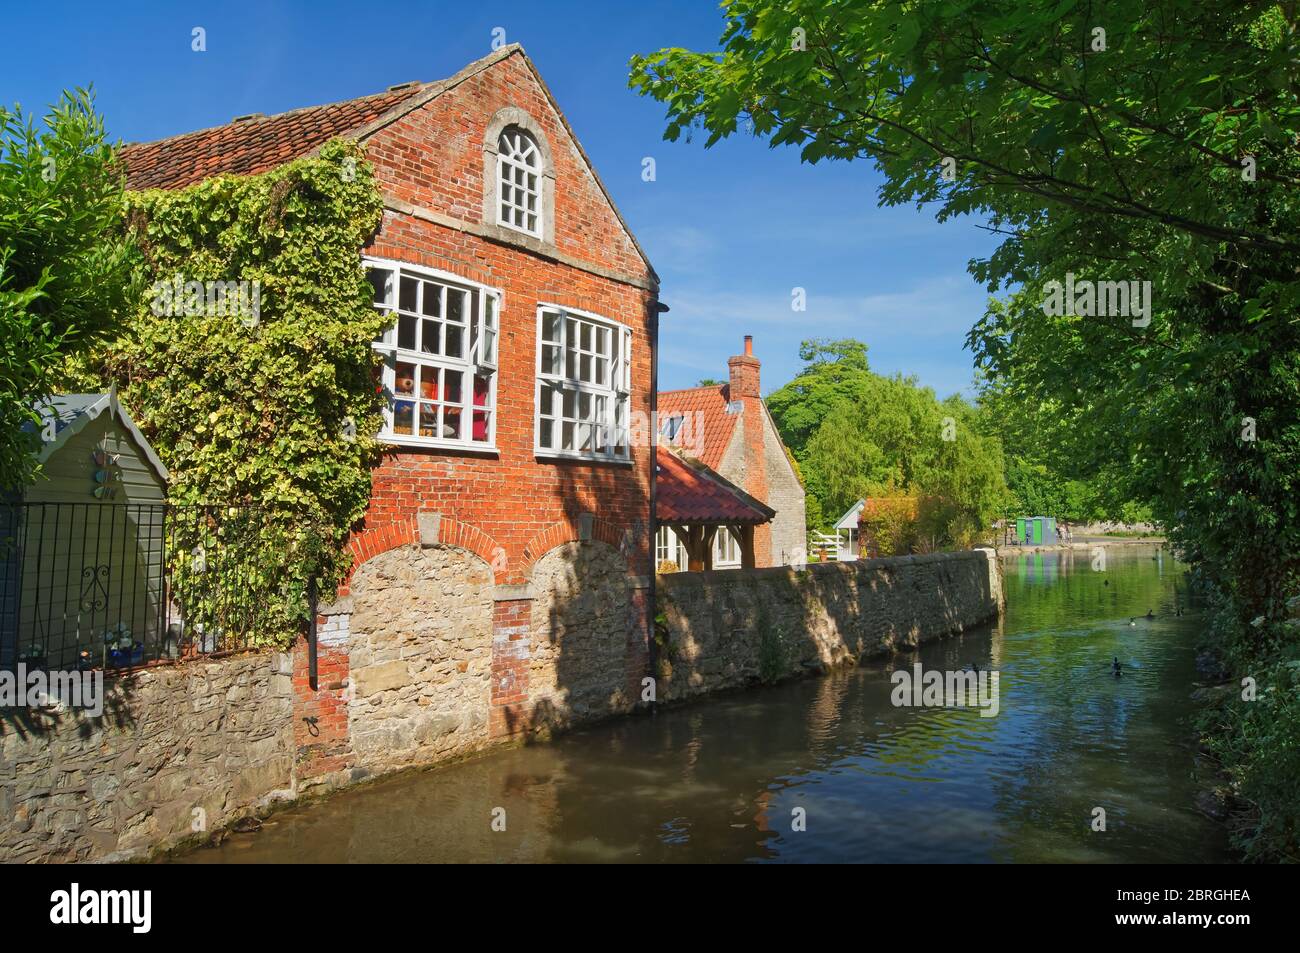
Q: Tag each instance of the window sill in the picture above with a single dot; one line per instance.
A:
(433, 443)
(560, 455)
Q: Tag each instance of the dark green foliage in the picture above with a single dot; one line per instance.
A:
(1163, 152)
(63, 266)
(278, 413)
(857, 434)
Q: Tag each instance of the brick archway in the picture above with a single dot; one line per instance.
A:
(584, 528)
(371, 541)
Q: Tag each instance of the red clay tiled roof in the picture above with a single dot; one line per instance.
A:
(253, 145)
(691, 493)
(701, 404)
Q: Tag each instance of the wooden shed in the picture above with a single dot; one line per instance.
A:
(81, 550)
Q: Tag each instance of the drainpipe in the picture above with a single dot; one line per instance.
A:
(311, 634)
(651, 587)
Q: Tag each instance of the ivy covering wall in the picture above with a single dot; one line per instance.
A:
(269, 399)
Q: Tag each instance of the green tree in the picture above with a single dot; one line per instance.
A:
(63, 265)
(834, 371)
(1148, 142)
(857, 434)
(1117, 141)
(1048, 471)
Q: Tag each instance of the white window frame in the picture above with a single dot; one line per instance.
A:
(482, 329)
(726, 539)
(668, 547)
(617, 393)
(512, 177)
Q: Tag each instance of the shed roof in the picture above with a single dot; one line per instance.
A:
(852, 518)
(688, 492)
(72, 413)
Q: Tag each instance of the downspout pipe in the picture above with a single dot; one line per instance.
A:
(312, 669)
(658, 308)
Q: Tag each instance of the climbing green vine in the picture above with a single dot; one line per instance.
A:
(264, 396)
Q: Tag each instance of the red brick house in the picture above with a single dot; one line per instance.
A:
(728, 429)
(501, 574)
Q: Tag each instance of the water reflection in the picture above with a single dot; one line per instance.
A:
(721, 780)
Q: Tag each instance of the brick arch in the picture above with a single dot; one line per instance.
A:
(515, 116)
(569, 530)
(373, 540)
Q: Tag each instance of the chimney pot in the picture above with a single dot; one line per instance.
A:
(749, 345)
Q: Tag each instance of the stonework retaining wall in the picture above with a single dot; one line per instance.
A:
(420, 651)
(427, 659)
(177, 749)
(579, 623)
(735, 627)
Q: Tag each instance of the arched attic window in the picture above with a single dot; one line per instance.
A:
(518, 176)
(519, 181)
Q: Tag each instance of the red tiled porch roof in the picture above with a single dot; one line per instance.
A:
(687, 492)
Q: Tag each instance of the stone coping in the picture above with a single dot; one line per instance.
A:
(887, 563)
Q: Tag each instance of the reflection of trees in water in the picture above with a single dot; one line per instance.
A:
(916, 740)
(1089, 739)
(715, 781)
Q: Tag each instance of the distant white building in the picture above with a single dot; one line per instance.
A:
(846, 531)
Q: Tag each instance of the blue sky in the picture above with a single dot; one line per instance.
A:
(731, 230)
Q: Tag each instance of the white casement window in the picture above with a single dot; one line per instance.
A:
(440, 356)
(668, 548)
(726, 548)
(519, 192)
(584, 379)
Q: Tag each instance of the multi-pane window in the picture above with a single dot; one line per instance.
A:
(519, 193)
(584, 377)
(439, 356)
(726, 548)
(668, 548)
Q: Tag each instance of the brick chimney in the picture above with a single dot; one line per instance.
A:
(744, 388)
(744, 371)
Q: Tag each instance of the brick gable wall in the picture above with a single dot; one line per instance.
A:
(511, 509)
(432, 160)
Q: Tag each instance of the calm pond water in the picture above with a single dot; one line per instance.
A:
(720, 780)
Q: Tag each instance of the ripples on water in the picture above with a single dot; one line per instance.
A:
(721, 780)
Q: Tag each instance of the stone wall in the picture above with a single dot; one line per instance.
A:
(734, 627)
(420, 648)
(579, 633)
(428, 659)
(214, 736)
